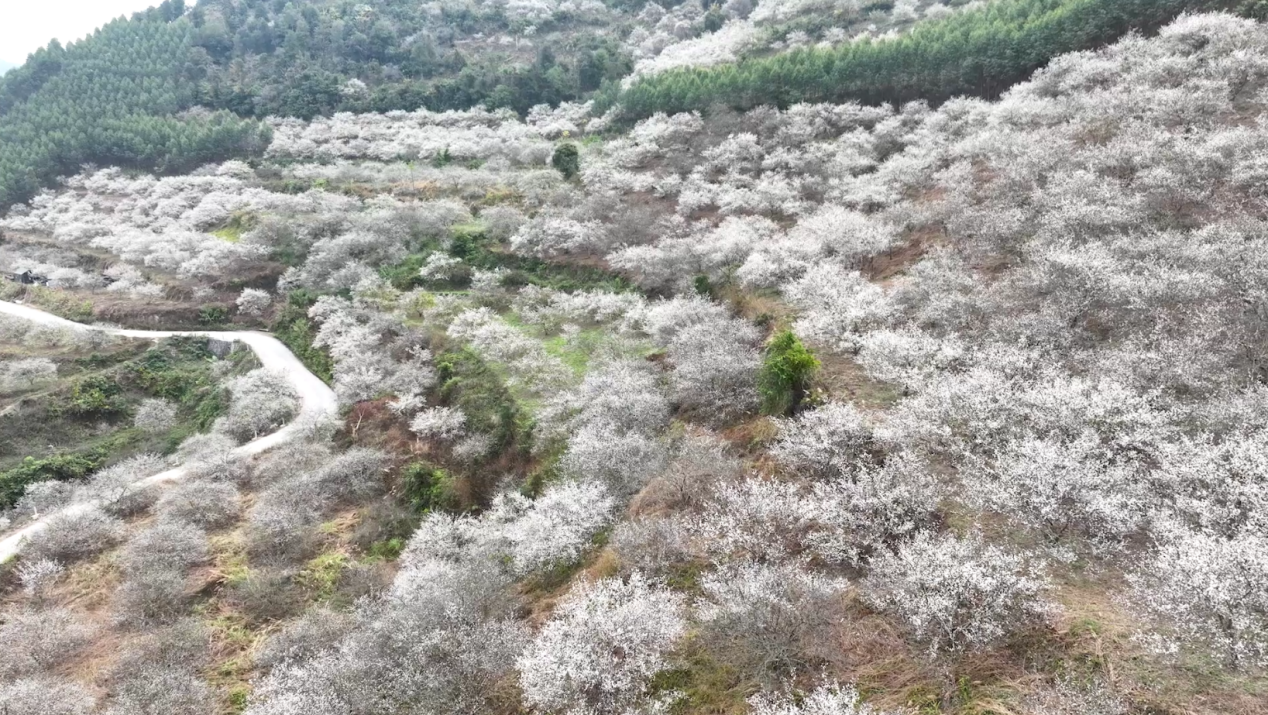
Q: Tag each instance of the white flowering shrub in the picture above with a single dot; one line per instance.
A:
(1065, 489)
(45, 695)
(154, 564)
(253, 301)
(874, 510)
(373, 352)
(155, 415)
(828, 699)
(1207, 591)
(159, 689)
(955, 594)
(755, 519)
(115, 488)
(38, 576)
(38, 641)
(259, 403)
(444, 424)
(573, 664)
(210, 505)
(715, 369)
(772, 620)
(18, 375)
(834, 440)
(70, 536)
(554, 528)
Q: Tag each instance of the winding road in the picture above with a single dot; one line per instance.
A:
(317, 400)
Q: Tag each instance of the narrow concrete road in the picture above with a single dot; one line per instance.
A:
(317, 400)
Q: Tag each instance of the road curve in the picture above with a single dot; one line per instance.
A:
(317, 400)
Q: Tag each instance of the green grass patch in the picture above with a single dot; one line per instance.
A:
(468, 382)
(231, 234)
(321, 574)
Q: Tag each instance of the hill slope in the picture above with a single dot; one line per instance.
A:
(956, 406)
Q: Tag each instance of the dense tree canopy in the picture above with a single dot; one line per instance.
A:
(977, 53)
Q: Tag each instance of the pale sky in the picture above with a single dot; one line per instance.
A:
(26, 25)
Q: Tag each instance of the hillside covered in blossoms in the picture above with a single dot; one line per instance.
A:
(788, 357)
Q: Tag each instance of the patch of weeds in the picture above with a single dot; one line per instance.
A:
(237, 698)
(704, 684)
(230, 559)
(428, 488)
(60, 303)
(213, 315)
(238, 224)
(95, 396)
(575, 351)
(386, 550)
(321, 574)
(233, 630)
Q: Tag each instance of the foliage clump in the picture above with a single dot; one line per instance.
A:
(787, 370)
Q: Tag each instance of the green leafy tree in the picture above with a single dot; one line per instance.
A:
(787, 369)
(567, 160)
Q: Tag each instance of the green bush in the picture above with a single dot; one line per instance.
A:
(567, 160)
(94, 396)
(62, 467)
(429, 488)
(787, 369)
(212, 315)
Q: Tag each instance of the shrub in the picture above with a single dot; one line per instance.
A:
(571, 663)
(158, 690)
(45, 695)
(76, 534)
(832, 441)
(354, 474)
(38, 576)
(566, 160)
(439, 423)
(771, 621)
(155, 416)
(715, 367)
(653, 545)
(305, 637)
(253, 301)
(150, 596)
(260, 402)
(116, 486)
(830, 699)
(787, 369)
(957, 594)
(1208, 591)
(871, 512)
(210, 505)
(26, 374)
(166, 546)
(39, 640)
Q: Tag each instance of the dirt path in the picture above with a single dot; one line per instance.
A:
(317, 400)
